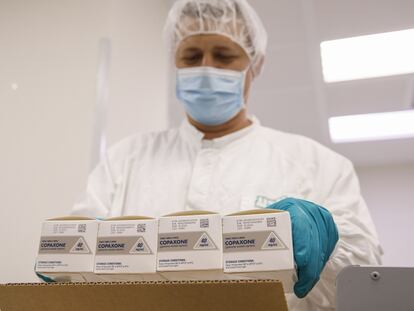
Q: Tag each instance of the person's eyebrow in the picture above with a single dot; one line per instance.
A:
(223, 48)
(191, 49)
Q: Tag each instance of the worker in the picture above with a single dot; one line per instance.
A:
(222, 159)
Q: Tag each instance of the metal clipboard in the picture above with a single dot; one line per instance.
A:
(375, 288)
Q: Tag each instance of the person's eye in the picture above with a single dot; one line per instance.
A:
(226, 58)
(191, 59)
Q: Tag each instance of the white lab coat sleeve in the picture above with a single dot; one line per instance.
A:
(103, 183)
(98, 197)
(358, 242)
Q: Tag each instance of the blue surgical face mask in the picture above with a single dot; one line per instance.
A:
(211, 96)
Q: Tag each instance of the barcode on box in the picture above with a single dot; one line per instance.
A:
(82, 228)
(141, 228)
(204, 223)
(271, 222)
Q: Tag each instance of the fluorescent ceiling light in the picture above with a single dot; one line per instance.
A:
(378, 55)
(373, 126)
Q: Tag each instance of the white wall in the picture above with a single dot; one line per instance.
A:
(138, 81)
(389, 192)
(49, 50)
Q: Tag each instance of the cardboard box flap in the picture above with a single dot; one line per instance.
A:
(190, 213)
(222, 295)
(70, 218)
(256, 211)
(128, 218)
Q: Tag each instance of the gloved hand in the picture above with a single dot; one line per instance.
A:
(314, 238)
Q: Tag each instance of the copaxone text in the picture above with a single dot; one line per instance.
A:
(240, 242)
(52, 244)
(111, 245)
(174, 242)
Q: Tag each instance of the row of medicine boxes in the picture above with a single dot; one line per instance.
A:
(254, 240)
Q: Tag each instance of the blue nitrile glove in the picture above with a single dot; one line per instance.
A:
(314, 239)
(43, 277)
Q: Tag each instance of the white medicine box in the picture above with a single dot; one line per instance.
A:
(67, 244)
(127, 244)
(190, 241)
(257, 240)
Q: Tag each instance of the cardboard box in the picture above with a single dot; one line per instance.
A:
(257, 240)
(241, 295)
(190, 241)
(67, 244)
(282, 276)
(127, 245)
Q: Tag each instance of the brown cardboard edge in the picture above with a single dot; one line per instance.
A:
(69, 218)
(129, 218)
(190, 213)
(213, 295)
(163, 282)
(256, 211)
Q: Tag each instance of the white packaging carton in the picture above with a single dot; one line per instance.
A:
(67, 244)
(257, 240)
(127, 245)
(190, 241)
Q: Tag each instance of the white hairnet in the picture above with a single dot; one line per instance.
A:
(235, 19)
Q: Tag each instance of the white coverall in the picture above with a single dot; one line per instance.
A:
(155, 174)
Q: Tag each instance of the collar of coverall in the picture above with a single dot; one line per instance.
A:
(195, 136)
